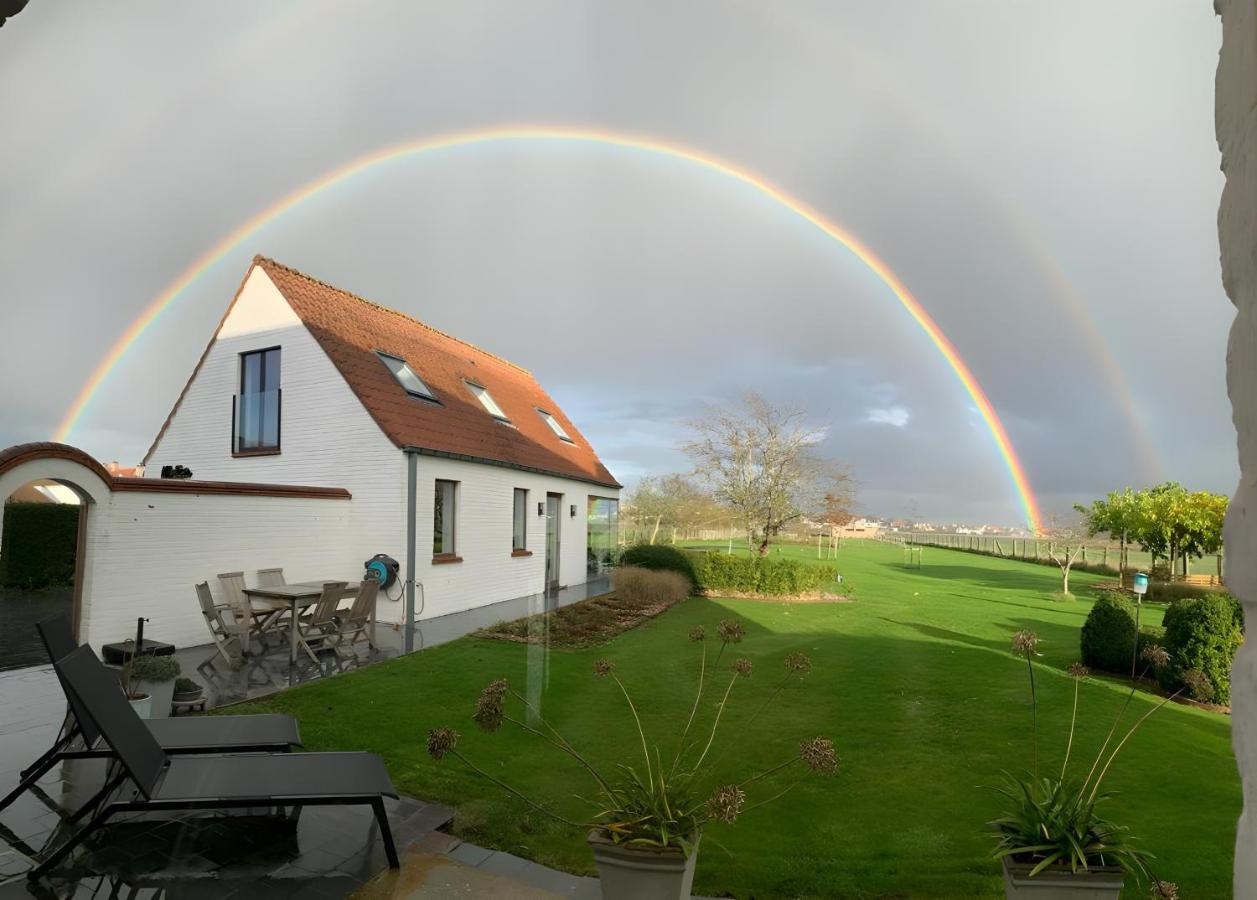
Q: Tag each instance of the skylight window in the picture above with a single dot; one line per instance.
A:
(554, 425)
(487, 401)
(406, 376)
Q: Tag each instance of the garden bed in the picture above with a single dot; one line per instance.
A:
(805, 597)
(585, 624)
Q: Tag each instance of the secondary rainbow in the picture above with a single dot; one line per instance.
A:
(171, 292)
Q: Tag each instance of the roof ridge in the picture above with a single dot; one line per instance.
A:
(259, 258)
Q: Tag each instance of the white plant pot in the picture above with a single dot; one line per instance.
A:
(161, 693)
(1059, 883)
(143, 705)
(639, 873)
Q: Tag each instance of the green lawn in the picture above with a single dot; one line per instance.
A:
(913, 681)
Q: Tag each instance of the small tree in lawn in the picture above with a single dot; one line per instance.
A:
(762, 462)
(1065, 545)
(1117, 516)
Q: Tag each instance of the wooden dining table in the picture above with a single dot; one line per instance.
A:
(295, 598)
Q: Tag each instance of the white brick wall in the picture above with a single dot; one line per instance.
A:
(146, 551)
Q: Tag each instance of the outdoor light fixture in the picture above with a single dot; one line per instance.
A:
(573, 510)
(541, 509)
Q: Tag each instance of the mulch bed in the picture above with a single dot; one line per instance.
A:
(585, 624)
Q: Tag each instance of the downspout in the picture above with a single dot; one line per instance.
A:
(412, 460)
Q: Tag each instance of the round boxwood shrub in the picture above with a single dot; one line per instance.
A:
(1108, 635)
(1203, 634)
(660, 557)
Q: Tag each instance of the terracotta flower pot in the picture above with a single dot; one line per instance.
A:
(1060, 883)
(642, 873)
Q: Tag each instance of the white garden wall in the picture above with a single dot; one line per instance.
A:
(145, 551)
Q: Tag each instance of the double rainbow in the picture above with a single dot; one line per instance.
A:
(830, 229)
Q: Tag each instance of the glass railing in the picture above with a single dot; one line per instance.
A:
(256, 421)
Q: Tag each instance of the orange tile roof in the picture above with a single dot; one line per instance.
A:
(350, 330)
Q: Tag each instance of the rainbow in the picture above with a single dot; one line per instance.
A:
(830, 229)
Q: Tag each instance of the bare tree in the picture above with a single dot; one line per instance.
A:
(1065, 543)
(761, 461)
(670, 501)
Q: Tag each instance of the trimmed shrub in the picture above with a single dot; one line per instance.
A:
(39, 545)
(1202, 634)
(1108, 635)
(648, 587)
(660, 558)
(718, 571)
(1169, 591)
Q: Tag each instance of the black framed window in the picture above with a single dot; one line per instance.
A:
(443, 514)
(519, 532)
(256, 409)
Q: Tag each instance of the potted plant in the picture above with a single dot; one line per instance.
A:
(149, 683)
(1051, 841)
(187, 691)
(646, 818)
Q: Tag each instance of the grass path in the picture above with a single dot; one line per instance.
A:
(913, 681)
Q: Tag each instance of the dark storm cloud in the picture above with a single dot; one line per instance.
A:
(1030, 153)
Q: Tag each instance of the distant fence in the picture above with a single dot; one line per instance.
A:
(1098, 556)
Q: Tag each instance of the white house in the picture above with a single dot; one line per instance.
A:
(457, 463)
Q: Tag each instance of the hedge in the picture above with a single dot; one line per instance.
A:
(660, 557)
(718, 571)
(1203, 634)
(39, 543)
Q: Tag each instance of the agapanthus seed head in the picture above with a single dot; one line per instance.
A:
(603, 667)
(698, 633)
(725, 803)
(742, 667)
(1198, 685)
(730, 631)
(1078, 670)
(1155, 655)
(819, 755)
(488, 713)
(798, 662)
(1024, 642)
(1164, 890)
(441, 741)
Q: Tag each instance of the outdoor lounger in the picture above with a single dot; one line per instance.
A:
(80, 739)
(147, 779)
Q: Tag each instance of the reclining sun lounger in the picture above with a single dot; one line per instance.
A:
(150, 780)
(80, 739)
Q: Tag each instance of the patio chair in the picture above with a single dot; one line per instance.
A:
(277, 619)
(229, 637)
(356, 623)
(319, 624)
(80, 739)
(148, 779)
(233, 592)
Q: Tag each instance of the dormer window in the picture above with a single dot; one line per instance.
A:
(487, 401)
(406, 376)
(554, 425)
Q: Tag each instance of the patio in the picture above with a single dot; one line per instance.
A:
(326, 852)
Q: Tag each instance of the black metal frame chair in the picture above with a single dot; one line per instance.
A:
(148, 779)
(80, 739)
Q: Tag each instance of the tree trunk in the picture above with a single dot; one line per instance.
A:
(655, 533)
(1064, 579)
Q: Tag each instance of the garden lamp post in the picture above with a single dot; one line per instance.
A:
(1140, 587)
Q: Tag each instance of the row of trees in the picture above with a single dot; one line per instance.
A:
(754, 464)
(1167, 521)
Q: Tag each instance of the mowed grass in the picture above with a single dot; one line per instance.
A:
(913, 681)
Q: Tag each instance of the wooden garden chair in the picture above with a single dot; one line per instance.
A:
(233, 592)
(355, 624)
(277, 619)
(319, 624)
(230, 637)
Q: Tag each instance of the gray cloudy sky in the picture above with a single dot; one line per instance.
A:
(1043, 177)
